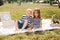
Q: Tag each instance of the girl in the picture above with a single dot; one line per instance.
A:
(36, 20)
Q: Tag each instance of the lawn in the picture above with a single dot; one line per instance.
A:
(46, 12)
(39, 35)
(17, 11)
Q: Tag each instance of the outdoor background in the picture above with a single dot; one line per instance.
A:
(17, 8)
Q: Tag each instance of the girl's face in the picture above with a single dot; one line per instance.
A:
(36, 14)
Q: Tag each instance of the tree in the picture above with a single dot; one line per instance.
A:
(10, 1)
(51, 2)
(59, 3)
(19, 2)
(1, 2)
(34, 1)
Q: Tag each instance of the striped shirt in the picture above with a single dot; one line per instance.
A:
(36, 22)
(25, 18)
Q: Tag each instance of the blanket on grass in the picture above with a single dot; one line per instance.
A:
(7, 31)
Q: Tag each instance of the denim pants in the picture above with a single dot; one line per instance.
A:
(20, 25)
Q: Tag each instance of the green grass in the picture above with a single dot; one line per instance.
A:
(42, 35)
(17, 11)
(46, 12)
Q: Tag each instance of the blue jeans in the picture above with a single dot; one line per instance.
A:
(20, 25)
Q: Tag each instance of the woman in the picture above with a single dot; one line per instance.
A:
(36, 20)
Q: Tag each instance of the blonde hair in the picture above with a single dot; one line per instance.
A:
(29, 9)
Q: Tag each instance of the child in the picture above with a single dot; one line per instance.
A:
(36, 20)
(25, 20)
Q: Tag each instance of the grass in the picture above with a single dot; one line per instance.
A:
(17, 11)
(43, 35)
(46, 12)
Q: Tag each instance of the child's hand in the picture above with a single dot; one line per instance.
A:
(40, 27)
(22, 29)
(29, 28)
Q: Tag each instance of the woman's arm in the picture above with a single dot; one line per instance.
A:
(41, 24)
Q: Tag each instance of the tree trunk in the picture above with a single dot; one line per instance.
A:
(51, 2)
(19, 2)
(58, 3)
(10, 1)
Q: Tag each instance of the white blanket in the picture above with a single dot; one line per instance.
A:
(6, 31)
(45, 26)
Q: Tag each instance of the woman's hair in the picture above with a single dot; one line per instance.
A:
(38, 11)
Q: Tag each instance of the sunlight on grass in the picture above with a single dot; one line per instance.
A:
(17, 11)
(46, 12)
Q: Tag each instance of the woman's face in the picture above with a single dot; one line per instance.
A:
(36, 14)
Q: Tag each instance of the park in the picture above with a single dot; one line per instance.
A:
(47, 10)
